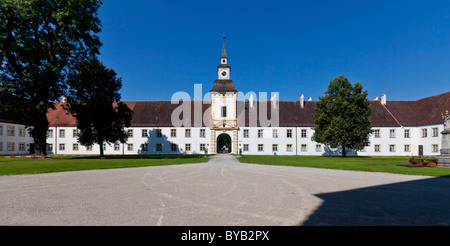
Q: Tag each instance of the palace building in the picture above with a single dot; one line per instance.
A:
(226, 124)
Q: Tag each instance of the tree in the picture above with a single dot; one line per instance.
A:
(342, 116)
(41, 41)
(94, 101)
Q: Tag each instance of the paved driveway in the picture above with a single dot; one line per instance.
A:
(223, 192)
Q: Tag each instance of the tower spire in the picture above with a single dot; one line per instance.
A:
(224, 52)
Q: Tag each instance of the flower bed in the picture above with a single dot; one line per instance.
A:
(423, 160)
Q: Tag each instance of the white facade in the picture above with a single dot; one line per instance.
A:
(386, 141)
(15, 139)
(141, 140)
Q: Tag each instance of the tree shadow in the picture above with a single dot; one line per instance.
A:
(328, 151)
(160, 144)
(156, 145)
(414, 203)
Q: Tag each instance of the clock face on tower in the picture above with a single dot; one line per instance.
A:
(224, 73)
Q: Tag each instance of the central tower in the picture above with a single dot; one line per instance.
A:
(223, 105)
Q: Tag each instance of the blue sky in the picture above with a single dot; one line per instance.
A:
(401, 48)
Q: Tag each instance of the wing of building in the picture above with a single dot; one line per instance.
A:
(225, 124)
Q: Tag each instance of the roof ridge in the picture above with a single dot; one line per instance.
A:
(438, 95)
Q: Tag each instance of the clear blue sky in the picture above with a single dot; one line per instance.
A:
(401, 48)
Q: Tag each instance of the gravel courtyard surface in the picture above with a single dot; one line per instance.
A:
(223, 192)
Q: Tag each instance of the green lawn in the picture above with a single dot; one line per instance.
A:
(357, 163)
(11, 166)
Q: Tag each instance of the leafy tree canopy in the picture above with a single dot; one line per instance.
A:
(94, 100)
(342, 116)
(41, 41)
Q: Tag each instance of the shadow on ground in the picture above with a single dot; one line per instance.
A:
(414, 203)
(161, 156)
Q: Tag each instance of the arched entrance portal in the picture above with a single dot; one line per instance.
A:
(223, 143)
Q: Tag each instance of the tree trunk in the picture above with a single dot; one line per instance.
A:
(101, 148)
(39, 134)
(344, 153)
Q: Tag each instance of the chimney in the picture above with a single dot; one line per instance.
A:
(376, 99)
(273, 99)
(383, 99)
(250, 99)
(302, 101)
(64, 99)
(309, 99)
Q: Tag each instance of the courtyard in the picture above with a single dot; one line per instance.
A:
(224, 192)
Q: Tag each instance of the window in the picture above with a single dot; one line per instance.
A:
(289, 133)
(274, 147)
(10, 131)
(377, 148)
(318, 148)
(62, 147)
(1, 130)
(104, 146)
(144, 133)
(434, 132)
(407, 148)
(50, 133)
(260, 147)
(377, 133)
(275, 133)
(246, 133)
(173, 133)
(21, 132)
(187, 133)
(289, 147)
(391, 147)
(303, 133)
(144, 147)
(89, 147)
(392, 133)
(159, 147)
(116, 146)
(76, 133)
(130, 133)
(130, 147)
(187, 147)
(62, 133)
(173, 147)
(245, 147)
(224, 111)
(49, 147)
(202, 147)
(260, 133)
(158, 133)
(202, 133)
(435, 148)
(406, 133)
(424, 132)
(10, 146)
(303, 148)
(21, 147)
(1, 146)
(75, 147)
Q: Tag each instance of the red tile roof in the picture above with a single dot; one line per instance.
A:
(426, 111)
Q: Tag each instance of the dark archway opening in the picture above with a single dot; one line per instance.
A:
(223, 143)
